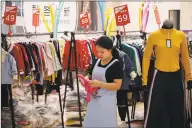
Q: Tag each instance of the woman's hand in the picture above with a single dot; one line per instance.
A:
(95, 83)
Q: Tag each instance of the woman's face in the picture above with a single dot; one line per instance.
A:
(103, 53)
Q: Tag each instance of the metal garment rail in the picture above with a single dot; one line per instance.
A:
(75, 32)
(28, 34)
(11, 104)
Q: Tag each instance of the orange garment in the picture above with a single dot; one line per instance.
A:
(15, 52)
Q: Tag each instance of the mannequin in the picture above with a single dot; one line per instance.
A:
(167, 24)
(165, 107)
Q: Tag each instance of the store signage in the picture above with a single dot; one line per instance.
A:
(10, 15)
(84, 19)
(35, 17)
(67, 21)
(122, 15)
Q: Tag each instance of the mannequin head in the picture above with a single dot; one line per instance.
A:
(167, 24)
(104, 47)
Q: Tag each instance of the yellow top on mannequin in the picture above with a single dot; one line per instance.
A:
(167, 53)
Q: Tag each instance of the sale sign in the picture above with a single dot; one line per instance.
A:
(84, 19)
(10, 15)
(35, 18)
(122, 15)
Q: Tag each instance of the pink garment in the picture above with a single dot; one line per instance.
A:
(49, 59)
(145, 18)
(88, 88)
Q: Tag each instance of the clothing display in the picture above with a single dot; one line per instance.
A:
(41, 58)
(167, 113)
(169, 53)
(45, 62)
(165, 104)
(83, 54)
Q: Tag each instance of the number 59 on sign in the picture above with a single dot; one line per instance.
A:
(84, 19)
(122, 18)
(122, 15)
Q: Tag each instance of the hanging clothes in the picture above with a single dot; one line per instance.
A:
(15, 52)
(82, 53)
(131, 53)
(8, 68)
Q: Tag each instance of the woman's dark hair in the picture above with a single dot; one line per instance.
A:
(105, 42)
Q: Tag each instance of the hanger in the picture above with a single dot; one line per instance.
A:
(66, 37)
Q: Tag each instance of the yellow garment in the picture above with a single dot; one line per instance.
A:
(62, 47)
(167, 59)
(140, 15)
(47, 78)
(110, 23)
(71, 122)
(3, 54)
(53, 53)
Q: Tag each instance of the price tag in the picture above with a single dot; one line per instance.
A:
(35, 18)
(122, 15)
(10, 15)
(84, 19)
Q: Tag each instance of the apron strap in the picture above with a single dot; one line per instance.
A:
(111, 63)
(97, 62)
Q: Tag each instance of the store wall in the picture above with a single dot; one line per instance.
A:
(164, 7)
(186, 16)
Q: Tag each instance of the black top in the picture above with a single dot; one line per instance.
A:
(113, 72)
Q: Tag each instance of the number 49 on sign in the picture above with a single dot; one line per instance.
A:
(10, 15)
(122, 15)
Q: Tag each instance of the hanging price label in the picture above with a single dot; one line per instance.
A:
(122, 15)
(84, 19)
(10, 15)
(35, 18)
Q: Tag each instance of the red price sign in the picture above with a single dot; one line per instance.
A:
(84, 19)
(122, 15)
(35, 18)
(10, 15)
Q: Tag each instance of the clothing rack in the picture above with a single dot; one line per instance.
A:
(131, 34)
(72, 45)
(28, 35)
(83, 32)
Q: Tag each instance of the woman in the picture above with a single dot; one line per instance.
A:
(105, 74)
